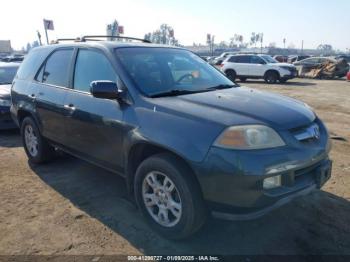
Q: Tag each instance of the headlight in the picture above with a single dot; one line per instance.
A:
(249, 137)
(5, 102)
(287, 68)
(272, 182)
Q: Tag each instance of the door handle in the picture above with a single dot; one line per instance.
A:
(69, 107)
(32, 96)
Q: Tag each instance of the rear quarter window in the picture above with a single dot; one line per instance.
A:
(31, 64)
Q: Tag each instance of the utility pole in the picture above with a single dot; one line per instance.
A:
(212, 45)
(39, 37)
(302, 46)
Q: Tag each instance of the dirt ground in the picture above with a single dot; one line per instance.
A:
(71, 207)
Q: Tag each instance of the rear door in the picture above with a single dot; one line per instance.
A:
(241, 64)
(94, 125)
(50, 89)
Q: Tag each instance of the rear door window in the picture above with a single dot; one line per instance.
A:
(56, 70)
(92, 66)
(243, 59)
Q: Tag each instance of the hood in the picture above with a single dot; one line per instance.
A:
(5, 91)
(239, 106)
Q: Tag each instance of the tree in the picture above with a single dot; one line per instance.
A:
(236, 41)
(325, 47)
(164, 35)
(28, 47)
(255, 38)
(223, 44)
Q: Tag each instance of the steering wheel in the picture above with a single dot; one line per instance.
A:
(183, 77)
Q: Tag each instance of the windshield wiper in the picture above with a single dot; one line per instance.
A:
(176, 92)
(5, 83)
(218, 87)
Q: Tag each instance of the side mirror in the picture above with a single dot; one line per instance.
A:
(262, 63)
(105, 89)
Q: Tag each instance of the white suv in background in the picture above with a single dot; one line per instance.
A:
(257, 66)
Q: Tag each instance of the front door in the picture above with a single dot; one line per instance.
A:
(257, 66)
(94, 126)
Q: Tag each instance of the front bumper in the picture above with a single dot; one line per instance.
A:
(290, 75)
(232, 180)
(6, 121)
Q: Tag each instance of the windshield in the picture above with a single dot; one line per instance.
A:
(7, 74)
(165, 70)
(269, 59)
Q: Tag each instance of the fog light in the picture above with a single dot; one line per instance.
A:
(272, 182)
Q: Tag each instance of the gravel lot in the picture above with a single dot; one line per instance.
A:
(71, 207)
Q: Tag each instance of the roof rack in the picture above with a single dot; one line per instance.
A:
(89, 38)
(78, 39)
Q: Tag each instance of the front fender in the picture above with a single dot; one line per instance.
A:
(186, 136)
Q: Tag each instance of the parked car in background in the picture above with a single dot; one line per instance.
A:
(257, 67)
(13, 58)
(217, 61)
(281, 58)
(348, 76)
(346, 57)
(314, 62)
(187, 139)
(296, 58)
(7, 74)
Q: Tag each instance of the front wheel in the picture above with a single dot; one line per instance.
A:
(36, 147)
(271, 77)
(169, 197)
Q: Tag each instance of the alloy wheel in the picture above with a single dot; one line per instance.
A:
(31, 140)
(162, 199)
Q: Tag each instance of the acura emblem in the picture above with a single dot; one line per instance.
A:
(314, 131)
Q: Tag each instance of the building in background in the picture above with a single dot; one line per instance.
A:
(5, 47)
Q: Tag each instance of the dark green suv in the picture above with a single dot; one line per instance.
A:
(188, 141)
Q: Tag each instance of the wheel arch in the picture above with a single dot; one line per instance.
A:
(272, 71)
(143, 150)
(230, 69)
(22, 114)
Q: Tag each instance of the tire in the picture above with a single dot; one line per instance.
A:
(243, 79)
(183, 205)
(35, 145)
(271, 77)
(231, 74)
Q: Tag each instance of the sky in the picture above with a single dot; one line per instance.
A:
(314, 21)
